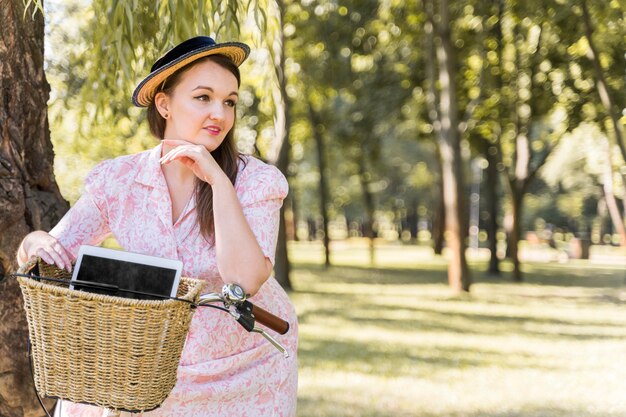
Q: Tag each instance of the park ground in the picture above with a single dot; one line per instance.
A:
(391, 340)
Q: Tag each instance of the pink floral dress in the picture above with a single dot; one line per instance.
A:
(224, 370)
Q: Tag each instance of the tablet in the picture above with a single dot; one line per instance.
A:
(125, 274)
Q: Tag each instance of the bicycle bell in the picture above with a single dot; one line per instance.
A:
(233, 293)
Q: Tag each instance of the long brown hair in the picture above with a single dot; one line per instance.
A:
(226, 155)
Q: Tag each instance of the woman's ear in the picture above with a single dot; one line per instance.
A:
(162, 102)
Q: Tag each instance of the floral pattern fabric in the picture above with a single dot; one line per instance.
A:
(224, 370)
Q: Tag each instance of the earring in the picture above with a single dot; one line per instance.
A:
(166, 116)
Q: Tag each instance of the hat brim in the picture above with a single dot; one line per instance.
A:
(145, 91)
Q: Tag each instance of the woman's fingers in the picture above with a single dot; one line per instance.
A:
(171, 155)
(45, 256)
(64, 255)
(55, 254)
(51, 257)
(194, 153)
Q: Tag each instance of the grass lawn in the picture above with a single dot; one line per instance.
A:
(392, 341)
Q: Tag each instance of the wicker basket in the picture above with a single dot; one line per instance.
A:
(113, 352)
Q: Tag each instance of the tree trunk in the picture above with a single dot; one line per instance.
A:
(282, 122)
(613, 112)
(451, 160)
(294, 216)
(413, 220)
(624, 195)
(29, 196)
(368, 199)
(439, 214)
(611, 203)
(317, 127)
(601, 84)
(491, 195)
(517, 196)
(281, 265)
(494, 155)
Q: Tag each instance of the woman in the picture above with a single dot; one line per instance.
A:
(194, 198)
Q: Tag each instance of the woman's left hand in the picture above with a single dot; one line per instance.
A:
(195, 157)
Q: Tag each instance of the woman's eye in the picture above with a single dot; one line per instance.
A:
(203, 97)
(230, 103)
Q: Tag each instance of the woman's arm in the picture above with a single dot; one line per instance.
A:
(239, 256)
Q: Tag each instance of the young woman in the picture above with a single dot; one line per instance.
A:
(195, 198)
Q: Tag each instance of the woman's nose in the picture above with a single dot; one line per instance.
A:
(216, 112)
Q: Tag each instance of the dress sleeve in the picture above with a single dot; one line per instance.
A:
(262, 196)
(86, 223)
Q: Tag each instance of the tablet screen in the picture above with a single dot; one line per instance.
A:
(127, 271)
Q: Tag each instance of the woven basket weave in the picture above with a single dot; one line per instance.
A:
(112, 352)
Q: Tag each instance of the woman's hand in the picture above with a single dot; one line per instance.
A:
(47, 247)
(195, 157)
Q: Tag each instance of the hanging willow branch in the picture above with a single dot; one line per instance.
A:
(37, 6)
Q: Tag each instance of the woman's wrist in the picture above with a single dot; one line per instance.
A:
(219, 181)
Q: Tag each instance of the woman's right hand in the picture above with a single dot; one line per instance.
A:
(47, 247)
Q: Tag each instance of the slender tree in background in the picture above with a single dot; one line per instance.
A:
(318, 133)
(606, 96)
(282, 146)
(612, 110)
(448, 139)
(523, 171)
(30, 198)
(368, 199)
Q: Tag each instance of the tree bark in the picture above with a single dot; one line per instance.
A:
(281, 158)
(29, 196)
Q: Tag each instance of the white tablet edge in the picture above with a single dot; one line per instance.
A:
(129, 257)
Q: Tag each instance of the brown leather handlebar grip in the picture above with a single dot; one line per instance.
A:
(269, 320)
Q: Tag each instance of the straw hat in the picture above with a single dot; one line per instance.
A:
(181, 55)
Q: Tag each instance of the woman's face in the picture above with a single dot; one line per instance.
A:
(201, 108)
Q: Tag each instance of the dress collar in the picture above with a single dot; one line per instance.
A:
(149, 172)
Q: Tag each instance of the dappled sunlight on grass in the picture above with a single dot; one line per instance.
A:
(394, 341)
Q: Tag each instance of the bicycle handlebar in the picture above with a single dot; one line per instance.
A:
(261, 315)
(234, 299)
(270, 320)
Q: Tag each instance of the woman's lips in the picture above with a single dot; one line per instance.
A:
(213, 130)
